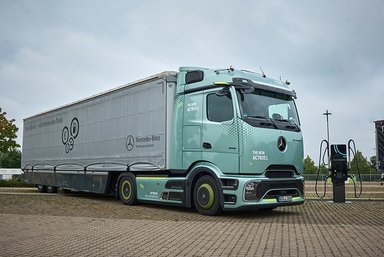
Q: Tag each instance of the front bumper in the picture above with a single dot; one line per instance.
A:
(262, 193)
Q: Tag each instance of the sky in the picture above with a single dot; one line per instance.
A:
(56, 52)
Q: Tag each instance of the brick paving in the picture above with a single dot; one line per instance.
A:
(83, 225)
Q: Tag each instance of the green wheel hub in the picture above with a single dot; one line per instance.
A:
(126, 190)
(205, 196)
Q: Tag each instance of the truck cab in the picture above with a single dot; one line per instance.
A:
(245, 130)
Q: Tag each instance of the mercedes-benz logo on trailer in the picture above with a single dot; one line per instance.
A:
(130, 143)
(281, 144)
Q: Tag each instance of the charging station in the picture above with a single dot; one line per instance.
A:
(339, 171)
(338, 166)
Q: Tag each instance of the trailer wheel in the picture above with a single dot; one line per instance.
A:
(61, 190)
(127, 189)
(42, 188)
(206, 196)
(51, 189)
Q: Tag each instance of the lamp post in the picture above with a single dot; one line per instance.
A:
(327, 114)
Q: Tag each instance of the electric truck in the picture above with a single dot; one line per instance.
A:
(209, 139)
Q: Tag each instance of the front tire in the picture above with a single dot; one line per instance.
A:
(127, 189)
(206, 196)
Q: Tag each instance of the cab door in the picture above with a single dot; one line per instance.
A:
(220, 137)
(192, 127)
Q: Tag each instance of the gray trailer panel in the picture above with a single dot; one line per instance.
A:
(123, 127)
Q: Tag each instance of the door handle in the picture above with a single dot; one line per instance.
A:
(207, 145)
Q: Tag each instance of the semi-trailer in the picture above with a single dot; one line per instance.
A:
(212, 139)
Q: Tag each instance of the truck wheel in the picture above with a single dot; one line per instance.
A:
(127, 189)
(42, 188)
(206, 196)
(51, 189)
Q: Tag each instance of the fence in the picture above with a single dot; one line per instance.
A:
(364, 177)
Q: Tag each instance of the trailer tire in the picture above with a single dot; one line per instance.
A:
(61, 190)
(51, 189)
(206, 196)
(41, 188)
(127, 189)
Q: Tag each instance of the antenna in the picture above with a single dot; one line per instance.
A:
(229, 70)
(262, 72)
(286, 81)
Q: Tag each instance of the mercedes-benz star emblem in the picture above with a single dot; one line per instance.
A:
(281, 144)
(130, 143)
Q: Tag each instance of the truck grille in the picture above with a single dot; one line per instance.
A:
(280, 171)
(280, 188)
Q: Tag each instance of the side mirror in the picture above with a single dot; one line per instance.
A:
(249, 90)
(223, 92)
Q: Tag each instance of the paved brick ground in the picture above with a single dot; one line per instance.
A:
(82, 225)
(38, 235)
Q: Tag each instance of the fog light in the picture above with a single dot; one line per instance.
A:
(250, 191)
(250, 186)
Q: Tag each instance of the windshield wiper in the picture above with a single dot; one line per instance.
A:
(265, 118)
(294, 123)
(290, 122)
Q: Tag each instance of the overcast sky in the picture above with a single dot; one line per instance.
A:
(56, 52)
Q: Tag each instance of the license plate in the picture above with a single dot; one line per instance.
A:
(284, 198)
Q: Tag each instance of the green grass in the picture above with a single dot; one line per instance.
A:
(14, 182)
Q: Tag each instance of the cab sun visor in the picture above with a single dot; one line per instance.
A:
(247, 86)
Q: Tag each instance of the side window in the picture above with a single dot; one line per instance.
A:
(219, 108)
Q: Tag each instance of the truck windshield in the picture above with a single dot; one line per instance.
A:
(269, 109)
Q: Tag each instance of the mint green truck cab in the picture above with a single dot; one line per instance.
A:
(239, 142)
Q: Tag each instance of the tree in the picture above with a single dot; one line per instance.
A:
(323, 169)
(11, 159)
(373, 162)
(309, 166)
(8, 135)
(361, 163)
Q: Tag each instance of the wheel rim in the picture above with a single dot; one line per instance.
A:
(205, 196)
(126, 190)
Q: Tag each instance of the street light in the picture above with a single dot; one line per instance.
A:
(327, 114)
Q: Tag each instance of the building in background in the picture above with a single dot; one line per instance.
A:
(379, 128)
(7, 174)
